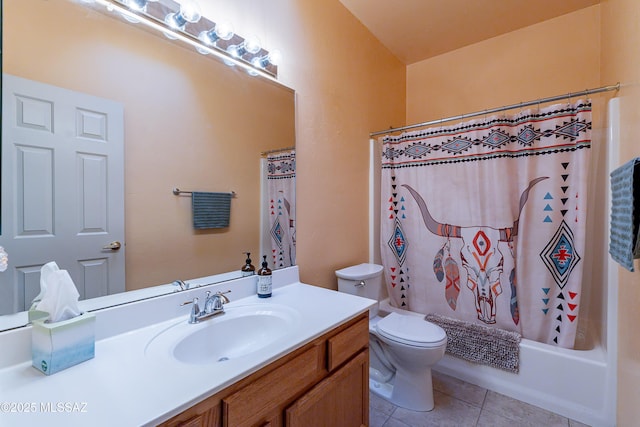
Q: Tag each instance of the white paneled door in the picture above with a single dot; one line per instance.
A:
(62, 190)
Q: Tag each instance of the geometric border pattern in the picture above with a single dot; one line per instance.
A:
(529, 135)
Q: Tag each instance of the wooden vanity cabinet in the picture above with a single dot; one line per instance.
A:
(323, 383)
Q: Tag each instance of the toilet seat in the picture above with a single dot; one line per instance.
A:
(411, 330)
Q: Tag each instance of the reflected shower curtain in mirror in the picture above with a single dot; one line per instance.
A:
(281, 197)
(484, 221)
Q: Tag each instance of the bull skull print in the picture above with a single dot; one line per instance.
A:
(480, 256)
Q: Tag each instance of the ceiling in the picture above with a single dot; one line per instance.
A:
(414, 30)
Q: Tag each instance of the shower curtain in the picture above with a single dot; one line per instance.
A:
(281, 197)
(484, 221)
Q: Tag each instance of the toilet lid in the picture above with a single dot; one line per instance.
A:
(411, 330)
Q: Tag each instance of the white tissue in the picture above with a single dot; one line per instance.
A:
(58, 295)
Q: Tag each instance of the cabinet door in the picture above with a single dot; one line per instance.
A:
(263, 400)
(341, 400)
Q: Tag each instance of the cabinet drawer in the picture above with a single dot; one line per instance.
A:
(256, 403)
(342, 346)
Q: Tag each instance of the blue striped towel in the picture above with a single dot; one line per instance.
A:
(624, 245)
(210, 210)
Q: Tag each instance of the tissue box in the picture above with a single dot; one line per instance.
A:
(57, 346)
(36, 314)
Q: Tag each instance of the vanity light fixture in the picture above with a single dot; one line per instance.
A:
(183, 21)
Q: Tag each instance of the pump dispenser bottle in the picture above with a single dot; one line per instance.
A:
(248, 269)
(264, 280)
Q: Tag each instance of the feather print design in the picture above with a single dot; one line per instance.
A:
(437, 265)
(515, 313)
(452, 290)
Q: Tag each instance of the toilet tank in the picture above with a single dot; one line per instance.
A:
(364, 280)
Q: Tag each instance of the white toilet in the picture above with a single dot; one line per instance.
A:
(403, 346)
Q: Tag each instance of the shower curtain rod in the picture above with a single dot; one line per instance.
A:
(504, 108)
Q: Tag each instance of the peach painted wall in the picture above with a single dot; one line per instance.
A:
(621, 61)
(554, 57)
(347, 85)
(550, 58)
(190, 122)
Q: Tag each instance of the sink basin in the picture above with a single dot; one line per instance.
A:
(239, 332)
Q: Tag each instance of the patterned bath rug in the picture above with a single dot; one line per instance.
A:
(480, 344)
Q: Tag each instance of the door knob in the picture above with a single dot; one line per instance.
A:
(114, 246)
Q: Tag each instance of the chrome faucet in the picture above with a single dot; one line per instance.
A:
(213, 305)
(182, 285)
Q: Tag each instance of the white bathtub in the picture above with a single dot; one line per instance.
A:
(574, 383)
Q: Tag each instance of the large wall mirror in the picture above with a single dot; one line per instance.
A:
(187, 121)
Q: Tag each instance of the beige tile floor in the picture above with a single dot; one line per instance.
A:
(460, 404)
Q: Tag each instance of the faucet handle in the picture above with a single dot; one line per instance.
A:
(222, 296)
(217, 302)
(195, 310)
(180, 284)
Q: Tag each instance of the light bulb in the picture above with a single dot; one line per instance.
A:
(272, 58)
(258, 62)
(275, 57)
(189, 12)
(235, 51)
(221, 31)
(137, 5)
(224, 30)
(252, 45)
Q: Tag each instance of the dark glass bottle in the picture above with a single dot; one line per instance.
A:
(248, 269)
(264, 280)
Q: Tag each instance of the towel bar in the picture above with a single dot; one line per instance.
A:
(177, 192)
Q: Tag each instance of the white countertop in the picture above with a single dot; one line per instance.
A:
(123, 386)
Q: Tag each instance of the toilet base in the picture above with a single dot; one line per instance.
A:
(417, 397)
